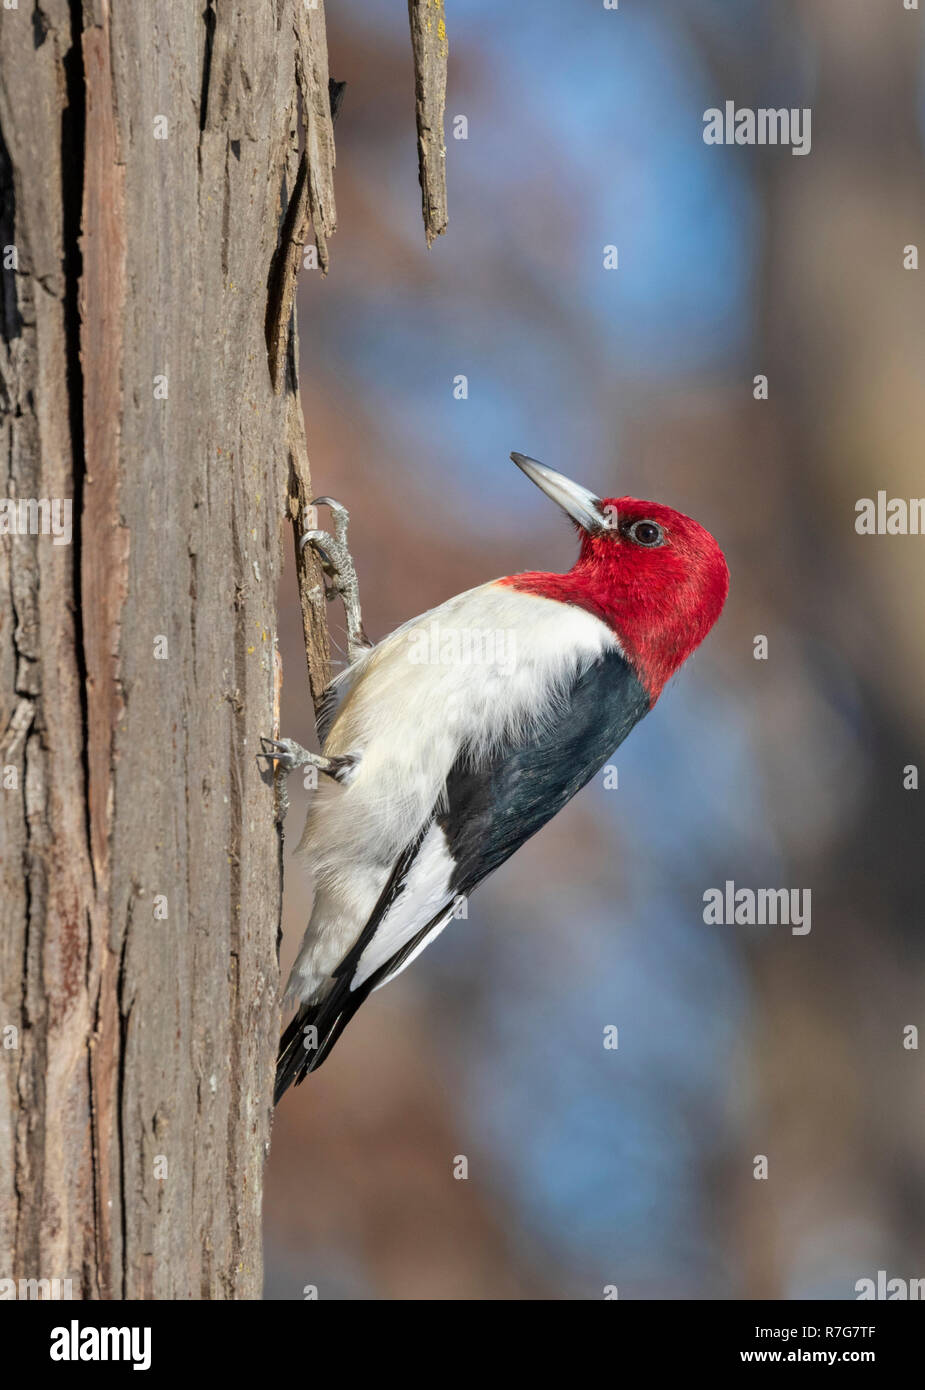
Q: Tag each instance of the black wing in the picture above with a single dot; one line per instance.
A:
(493, 810)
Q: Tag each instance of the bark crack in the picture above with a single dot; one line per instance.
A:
(208, 17)
(73, 155)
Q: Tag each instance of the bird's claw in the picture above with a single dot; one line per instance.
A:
(341, 517)
(336, 564)
(290, 755)
(339, 572)
(285, 751)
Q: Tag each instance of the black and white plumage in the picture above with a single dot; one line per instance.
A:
(462, 733)
(458, 764)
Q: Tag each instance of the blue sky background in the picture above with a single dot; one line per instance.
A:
(585, 128)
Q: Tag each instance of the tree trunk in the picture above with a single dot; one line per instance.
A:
(146, 158)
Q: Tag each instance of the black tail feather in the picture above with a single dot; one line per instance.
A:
(293, 1060)
(299, 1055)
(331, 1015)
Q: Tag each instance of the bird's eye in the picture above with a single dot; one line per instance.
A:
(647, 533)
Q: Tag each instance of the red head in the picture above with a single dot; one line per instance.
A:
(656, 577)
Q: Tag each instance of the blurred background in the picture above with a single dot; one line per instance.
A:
(634, 1167)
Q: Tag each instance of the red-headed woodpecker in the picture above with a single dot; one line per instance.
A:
(455, 739)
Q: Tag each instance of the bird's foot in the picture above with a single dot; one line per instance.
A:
(289, 755)
(338, 568)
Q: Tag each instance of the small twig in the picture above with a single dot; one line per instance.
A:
(431, 50)
(311, 207)
(308, 571)
(283, 273)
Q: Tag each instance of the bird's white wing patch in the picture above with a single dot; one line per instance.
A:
(426, 894)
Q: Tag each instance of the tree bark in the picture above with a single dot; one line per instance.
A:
(146, 160)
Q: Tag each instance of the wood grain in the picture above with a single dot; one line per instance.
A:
(135, 1104)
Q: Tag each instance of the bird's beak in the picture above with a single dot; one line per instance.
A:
(580, 504)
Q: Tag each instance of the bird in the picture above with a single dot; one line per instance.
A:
(457, 737)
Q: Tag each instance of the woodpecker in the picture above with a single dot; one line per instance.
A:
(457, 737)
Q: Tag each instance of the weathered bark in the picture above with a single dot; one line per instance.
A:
(138, 665)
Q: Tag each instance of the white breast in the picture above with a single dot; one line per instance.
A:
(483, 669)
